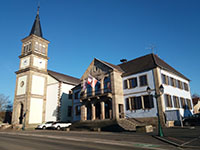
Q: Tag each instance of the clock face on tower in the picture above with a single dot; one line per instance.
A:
(25, 62)
(39, 63)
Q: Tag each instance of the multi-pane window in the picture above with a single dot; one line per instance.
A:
(186, 87)
(168, 100)
(27, 47)
(182, 102)
(127, 104)
(69, 112)
(148, 101)
(133, 82)
(125, 84)
(140, 102)
(172, 81)
(165, 79)
(143, 80)
(176, 102)
(77, 110)
(107, 84)
(40, 48)
(189, 103)
(136, 103)
(98, 88)
(180, 84)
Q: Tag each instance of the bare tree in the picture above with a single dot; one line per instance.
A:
(195, 95)
(5, 107)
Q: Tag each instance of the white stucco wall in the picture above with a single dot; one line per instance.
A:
(65, 101)
(52, 99)
(37, 85)
(36, 109)
(21, 89)
(174, 91)
(140, 91)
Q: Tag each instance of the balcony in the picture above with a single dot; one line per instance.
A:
(96, 93)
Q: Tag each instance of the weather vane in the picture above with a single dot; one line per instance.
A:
(152, 47)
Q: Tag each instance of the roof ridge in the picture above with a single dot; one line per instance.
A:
(62, 74)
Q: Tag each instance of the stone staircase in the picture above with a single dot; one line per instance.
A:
(130, 124)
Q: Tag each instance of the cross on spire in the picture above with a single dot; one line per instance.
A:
(36, 28)
(38, 9)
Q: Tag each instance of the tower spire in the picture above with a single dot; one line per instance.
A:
(36, 28)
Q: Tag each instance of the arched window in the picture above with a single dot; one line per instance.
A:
(89, 90)
(98, 88)
(107, 84)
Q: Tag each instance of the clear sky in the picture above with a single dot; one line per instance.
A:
(110, 30)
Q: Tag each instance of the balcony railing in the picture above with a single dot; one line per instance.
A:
(98, 92)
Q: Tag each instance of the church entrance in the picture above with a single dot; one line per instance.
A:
(21, 113)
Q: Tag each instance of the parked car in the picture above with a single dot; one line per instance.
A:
(45, 125)
(60, 125)
(193, 120)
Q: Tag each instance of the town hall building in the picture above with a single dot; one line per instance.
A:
(131, 90)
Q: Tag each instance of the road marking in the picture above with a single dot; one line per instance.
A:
(93, 140)
(190, 141)
(175, 139)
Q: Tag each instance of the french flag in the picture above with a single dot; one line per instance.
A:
(92, 81)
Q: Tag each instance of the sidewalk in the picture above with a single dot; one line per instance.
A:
(186, 137)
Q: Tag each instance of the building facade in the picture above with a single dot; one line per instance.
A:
(127, 95)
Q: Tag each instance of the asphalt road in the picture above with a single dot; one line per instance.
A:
(54, 140)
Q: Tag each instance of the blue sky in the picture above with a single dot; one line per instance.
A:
(80, 30)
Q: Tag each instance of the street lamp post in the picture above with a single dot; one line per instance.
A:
(156, 95)
(24, 121)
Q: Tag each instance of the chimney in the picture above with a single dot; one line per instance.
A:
(123, 60)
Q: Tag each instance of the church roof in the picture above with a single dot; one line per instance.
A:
(64, 78)
(36, 28)
(146, 63)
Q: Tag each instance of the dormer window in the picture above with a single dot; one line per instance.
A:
(27, 47)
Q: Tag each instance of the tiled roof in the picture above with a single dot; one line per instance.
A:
(146, 63)
(64, 78)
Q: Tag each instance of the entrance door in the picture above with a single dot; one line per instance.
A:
(121, 111)
(21, 113)
(98, 110)
(89, 111)
(108, 109)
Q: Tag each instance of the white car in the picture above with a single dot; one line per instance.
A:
(45, 125)
(60, 125)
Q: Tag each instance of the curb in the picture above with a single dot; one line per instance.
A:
(175, 144)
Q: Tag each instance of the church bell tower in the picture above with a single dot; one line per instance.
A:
(31, 81)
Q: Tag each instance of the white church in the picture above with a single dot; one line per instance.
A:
(40, 95)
